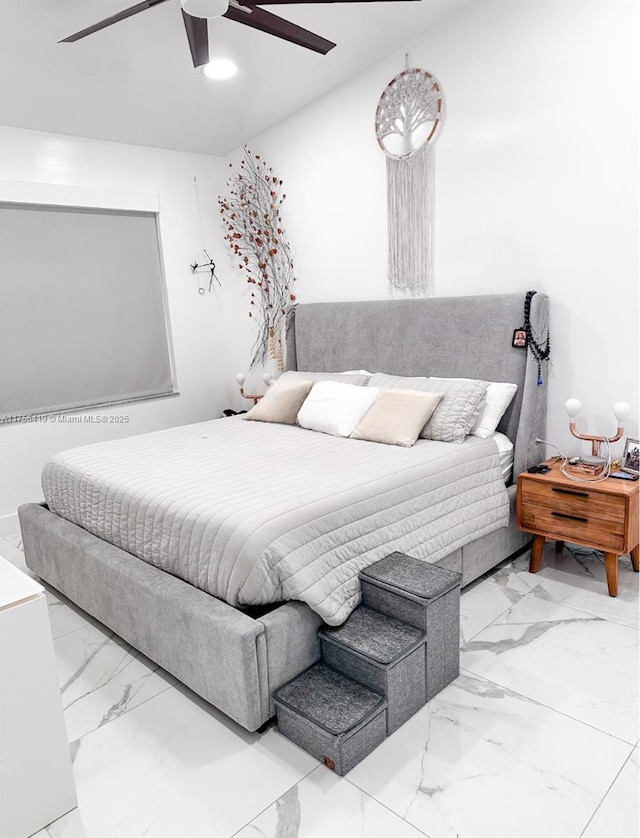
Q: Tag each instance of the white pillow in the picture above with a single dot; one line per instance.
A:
(356, 372)
(499, 397)
(335, 408)
(354, 377)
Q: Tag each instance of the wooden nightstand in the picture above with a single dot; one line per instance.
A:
(601, 515)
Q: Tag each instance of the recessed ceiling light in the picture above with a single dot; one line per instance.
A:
(220, 68)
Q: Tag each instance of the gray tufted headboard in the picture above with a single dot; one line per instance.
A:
(457, 337)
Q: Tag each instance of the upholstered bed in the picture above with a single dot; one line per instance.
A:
(333, 505)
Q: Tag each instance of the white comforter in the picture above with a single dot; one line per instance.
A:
(255, 513)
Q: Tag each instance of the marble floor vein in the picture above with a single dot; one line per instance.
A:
(584, 666)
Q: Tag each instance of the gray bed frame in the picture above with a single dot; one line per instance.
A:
(235, 661)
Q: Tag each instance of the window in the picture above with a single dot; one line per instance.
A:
(83, 319)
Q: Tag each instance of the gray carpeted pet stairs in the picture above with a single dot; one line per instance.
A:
(393, 654)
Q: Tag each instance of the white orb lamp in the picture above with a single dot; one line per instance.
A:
(573, 407)
(254, 397)
(621, 411)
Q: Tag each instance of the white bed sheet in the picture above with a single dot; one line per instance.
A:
(505, 453)
(256, 513)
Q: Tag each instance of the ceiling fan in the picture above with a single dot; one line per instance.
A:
(195, 14)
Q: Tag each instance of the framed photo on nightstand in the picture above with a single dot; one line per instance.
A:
(631, 456)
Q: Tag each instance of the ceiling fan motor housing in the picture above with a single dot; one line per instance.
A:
(205, 8)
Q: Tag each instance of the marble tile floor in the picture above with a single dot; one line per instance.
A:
(537, 738)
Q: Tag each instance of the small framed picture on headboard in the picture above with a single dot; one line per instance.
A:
(519, 339)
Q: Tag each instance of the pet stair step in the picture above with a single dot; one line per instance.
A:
(335, 719)
(383, 654)
(424, 596)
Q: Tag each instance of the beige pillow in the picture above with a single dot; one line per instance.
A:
(456, 414)
(397, 417)
(281, 402)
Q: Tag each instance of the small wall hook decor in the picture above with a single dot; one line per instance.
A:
(203, 265)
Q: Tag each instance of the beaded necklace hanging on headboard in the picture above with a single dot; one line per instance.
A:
(540, 351)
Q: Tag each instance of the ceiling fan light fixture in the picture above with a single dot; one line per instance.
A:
(205, 8)
(220, 69)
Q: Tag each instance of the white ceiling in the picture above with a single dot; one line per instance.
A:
(134, 81)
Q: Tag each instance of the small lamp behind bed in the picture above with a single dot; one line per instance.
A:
(241, 378)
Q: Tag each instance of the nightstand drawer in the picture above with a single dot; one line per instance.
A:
(573, 526)
(579, 502)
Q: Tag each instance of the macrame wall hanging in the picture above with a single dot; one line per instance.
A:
(409, 117)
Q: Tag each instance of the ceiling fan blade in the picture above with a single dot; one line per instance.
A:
(198, 36)
(278, 26)
(125, 13)
(309, 2)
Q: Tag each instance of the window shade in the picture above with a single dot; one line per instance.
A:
(82, 315)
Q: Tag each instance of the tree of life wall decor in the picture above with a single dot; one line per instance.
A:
(409, 118)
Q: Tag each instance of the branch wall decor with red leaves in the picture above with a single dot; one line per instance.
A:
(251, 214)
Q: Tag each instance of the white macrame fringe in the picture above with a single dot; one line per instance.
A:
(410, 214)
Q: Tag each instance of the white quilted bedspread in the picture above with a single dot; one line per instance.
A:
(256, 513)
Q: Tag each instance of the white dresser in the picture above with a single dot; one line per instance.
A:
(36, 782)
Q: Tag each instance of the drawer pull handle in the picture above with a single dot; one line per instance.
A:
(570, 517)
(571, 492)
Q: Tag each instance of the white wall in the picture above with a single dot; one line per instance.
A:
(207, 352)
(537, 184)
